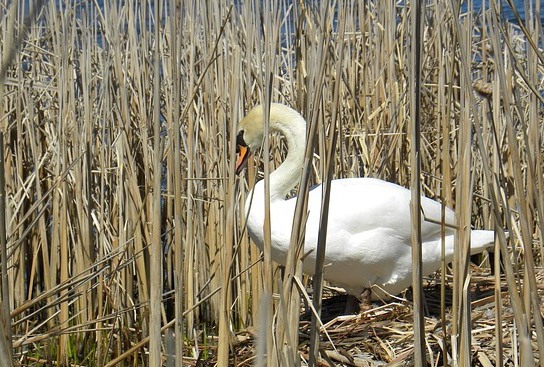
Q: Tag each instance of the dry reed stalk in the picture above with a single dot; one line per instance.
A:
(156, 246)
(415, 52)
(461, 329)
(174, 109)
(188, 245)
(329, 150)
(443, 151)
(265, 52)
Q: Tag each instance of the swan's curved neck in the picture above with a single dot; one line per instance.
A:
(292, 126)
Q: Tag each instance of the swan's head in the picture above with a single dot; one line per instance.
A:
(251, 130)
(250, 136)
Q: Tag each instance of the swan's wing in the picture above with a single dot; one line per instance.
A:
(364, 204)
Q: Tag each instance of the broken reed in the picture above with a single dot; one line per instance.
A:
(84, 219)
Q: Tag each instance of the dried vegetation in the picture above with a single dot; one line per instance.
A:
(124, 238)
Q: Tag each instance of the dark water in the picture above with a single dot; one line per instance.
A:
(88, 9)
(507, 12)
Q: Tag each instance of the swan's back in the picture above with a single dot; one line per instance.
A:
(363, 204)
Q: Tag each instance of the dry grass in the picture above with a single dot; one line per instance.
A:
(385, 334)
(124, 222)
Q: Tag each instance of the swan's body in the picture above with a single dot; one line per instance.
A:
(369, 226)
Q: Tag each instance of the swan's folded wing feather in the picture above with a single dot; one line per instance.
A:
(364, 204)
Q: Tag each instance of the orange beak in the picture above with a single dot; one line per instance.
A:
(243, 155)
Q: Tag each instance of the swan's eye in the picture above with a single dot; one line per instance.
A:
(240, 139)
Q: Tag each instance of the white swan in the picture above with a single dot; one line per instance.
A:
(369, 228)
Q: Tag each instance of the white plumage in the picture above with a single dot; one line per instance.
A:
(369, 225)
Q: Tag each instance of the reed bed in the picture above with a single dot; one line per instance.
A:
(124, 227)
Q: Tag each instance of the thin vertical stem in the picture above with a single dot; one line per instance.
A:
(175, 28)
(326, 190)
(5, 318)
(156, 263)
(415, 163)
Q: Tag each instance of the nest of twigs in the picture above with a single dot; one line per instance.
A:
(384, 335)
